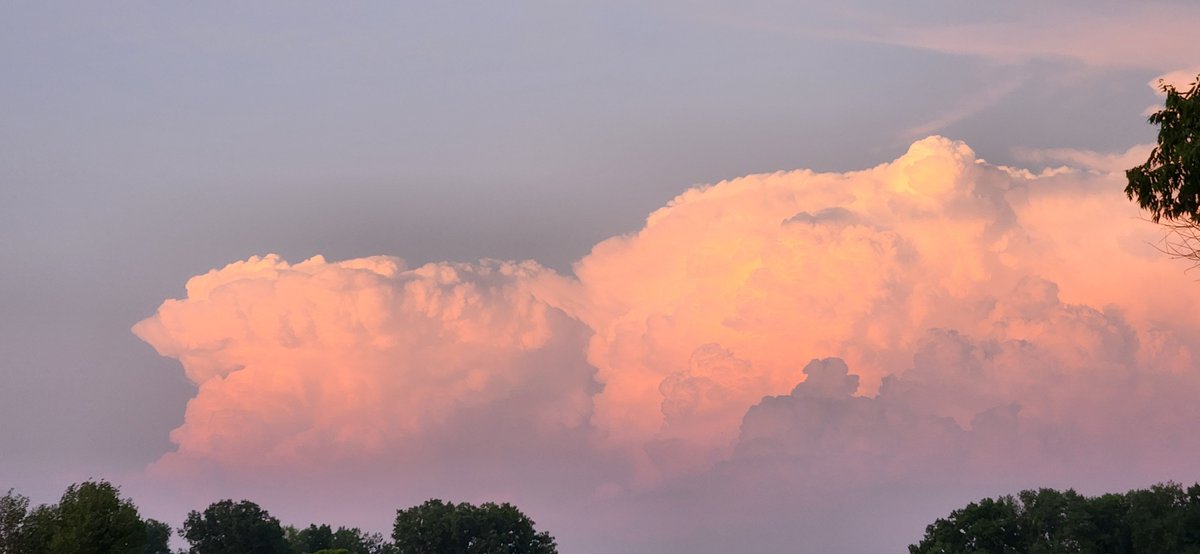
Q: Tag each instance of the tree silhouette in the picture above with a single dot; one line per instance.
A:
(226, 527)
(1163, 518)
(1168, 184)
(448, 528)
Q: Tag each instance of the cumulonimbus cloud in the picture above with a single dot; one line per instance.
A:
(959, 307)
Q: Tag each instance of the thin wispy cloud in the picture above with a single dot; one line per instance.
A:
(1109, 162)
(989, 96)
(1153, 36)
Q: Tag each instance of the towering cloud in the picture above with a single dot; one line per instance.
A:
(935, 319)
(320, 364)
(766, 272)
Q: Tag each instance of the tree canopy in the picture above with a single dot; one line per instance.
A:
(13, 510)
(228, 527)
(93, 518)
(1168, 184)
(449, 528)
(323, 539)
(1163, 518)
(90, 518)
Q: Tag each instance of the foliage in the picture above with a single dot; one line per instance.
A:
(322, 539)
(1168, 184)
(92, 518)
(226, 527)
(1164, 518)
(13, 509)
(449, 528)
(312, 539)
(158, 537)
(38, 528)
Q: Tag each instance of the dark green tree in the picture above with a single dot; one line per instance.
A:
(1168, 184)
(359, 542)
(1155, 518)
(989, 526)
(445, 527)
(1051, 521)
(228, 527)
(158, 537)
(13, 509)
(38, 529)
(1104, 527)
(312, 539)
(92, 518)
(322, 538)
(1163, 518)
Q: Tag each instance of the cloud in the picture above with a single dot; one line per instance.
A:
(1088, 159)
(1046, 396)
(318, 364)
(993, 94)
(1181, 79)
(1152, 36)
(973, 326)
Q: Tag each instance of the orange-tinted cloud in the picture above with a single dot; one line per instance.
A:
(321, 363)
(964, 311)
(765, 272)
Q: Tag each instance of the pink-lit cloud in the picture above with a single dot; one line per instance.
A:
(318, 364)
(1153, 36)
(1181, 79)
(971, 323)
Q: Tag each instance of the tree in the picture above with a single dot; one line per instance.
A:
(1109, 528)
(158, 537)
(314, 538)
(987, 526)
(1168, 184)
(1155, 519)
(445, 527)
(1163, 518)
(322, 539)
(226, 527)
(92, 518)
(38, 528)
(13, 509)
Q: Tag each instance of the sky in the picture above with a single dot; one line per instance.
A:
(670, 276)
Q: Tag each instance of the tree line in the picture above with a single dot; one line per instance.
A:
(93, 518)
(1162, 519)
